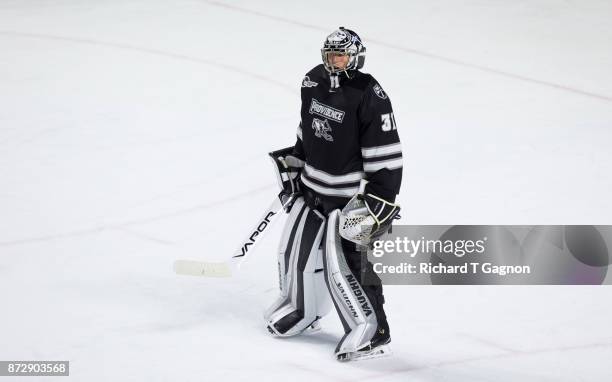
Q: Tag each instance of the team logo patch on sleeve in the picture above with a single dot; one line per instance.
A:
(379, 91)
(322, 129)
(307, 83)
(323, 110)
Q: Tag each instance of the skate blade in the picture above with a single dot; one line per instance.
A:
(379, 352)
(313, 328)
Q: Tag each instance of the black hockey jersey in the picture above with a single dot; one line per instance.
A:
(347, 134)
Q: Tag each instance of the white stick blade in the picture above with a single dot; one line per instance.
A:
(201, 268)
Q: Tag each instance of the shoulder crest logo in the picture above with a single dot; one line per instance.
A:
(307, 83)
(379, 91)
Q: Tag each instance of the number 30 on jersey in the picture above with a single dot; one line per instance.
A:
(388, 122)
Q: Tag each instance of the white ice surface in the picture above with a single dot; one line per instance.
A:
(134, 132)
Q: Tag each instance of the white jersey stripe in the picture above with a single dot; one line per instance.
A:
(390, 164)
(378, 151)
(333, 179)
(342, 192)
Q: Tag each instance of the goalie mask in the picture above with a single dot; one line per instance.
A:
(343, 42)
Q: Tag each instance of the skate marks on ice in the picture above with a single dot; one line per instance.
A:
(124, 226)
(152, 51)
(490, 366)
(429, 55)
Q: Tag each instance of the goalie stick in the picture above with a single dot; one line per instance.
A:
(230, 266)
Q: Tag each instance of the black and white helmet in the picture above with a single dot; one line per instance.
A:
(343, 41)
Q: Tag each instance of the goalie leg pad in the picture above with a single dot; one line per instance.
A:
(361, 319)
(303, 294)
